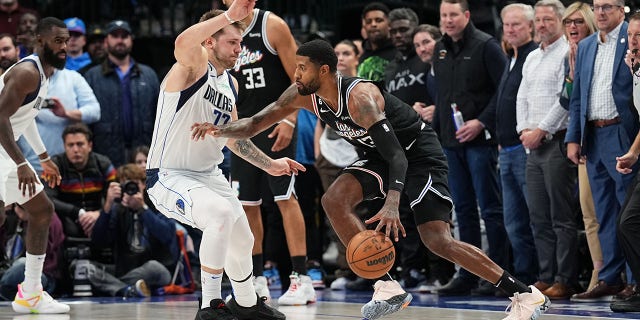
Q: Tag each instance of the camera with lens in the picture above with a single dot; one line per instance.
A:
(130, 187)
(48, 104)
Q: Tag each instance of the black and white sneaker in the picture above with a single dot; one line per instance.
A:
(260, 311)
(217, 310)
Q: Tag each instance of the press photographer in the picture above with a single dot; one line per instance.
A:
(144, 241)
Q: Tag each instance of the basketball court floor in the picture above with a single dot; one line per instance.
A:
(331, 305)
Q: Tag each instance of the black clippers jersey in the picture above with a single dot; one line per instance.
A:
(405, 121)
(261, 77)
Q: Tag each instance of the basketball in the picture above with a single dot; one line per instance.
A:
(370, 254)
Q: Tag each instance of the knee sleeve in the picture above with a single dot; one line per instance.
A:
(215, 216)
(239, 264)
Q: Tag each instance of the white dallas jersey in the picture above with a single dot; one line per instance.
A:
(26, 114)
(211, 99)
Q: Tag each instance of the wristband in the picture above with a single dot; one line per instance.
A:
(289, 122)
(45, 159)
(226, 15)
(24, 163)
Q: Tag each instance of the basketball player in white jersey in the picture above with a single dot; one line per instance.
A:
(183, 179)
(23, 88)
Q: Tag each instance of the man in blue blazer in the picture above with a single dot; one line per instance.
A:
(602, 124)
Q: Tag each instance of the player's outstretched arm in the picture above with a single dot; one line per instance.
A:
(248, 151)
(246, 128)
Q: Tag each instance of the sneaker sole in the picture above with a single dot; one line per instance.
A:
(18, 308)
(386, 307)
(541, 309)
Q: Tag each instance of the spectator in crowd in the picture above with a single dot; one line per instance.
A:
(69, 100)
(517, 24)
(10, 13)
(602, 124)
(15, 226)
(629, 219)
(424, 41)
(579, 22)
(26, 37)
(378, 49)
(95, 47)
(261, 81)
(86, 175)
(127, 92)
(76, 57)
(9, 52)
(139, 156)
(550, 178)
(144, 241)
(468, 70)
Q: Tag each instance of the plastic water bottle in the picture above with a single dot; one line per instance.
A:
(457, 116)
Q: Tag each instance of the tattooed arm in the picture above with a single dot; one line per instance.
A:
(249, 152)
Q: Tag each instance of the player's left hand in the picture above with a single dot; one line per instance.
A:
(50, 173)
(200, 130)
(283, 133)
(285, 166)
(389, 218)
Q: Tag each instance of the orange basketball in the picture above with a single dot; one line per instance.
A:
(370, 254)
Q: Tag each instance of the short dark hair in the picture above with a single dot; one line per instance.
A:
(432, 30)
(635, 16)
(320, 53)
(45, 25)
(464, 5)
(351, 44)
(216, 12)
(375, 6)
(404, 14)
(10, 36)
(77, 127)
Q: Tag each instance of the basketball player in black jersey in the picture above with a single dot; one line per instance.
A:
(264, 69)
(402, 154)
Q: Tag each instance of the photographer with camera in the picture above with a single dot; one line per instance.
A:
(144, 241)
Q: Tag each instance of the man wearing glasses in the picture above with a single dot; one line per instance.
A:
(602, 124)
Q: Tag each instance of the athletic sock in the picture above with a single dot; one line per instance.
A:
(211, 287)
(33, 273)
(299, 264)
(258, 264)
(511, 285)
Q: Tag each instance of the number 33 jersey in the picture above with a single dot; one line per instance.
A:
(210, 99)
(259, 71)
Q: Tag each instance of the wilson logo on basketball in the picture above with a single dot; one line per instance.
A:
(381, 260)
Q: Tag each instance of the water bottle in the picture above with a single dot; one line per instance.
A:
(457, 116)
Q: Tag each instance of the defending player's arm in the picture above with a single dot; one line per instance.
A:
(284, 44)
(245, 149)
(288, 102)
(19, 82)
(366, 106)
(191, 56)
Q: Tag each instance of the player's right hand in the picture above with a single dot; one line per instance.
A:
(240, 9)
(200, 130)
(27, 180)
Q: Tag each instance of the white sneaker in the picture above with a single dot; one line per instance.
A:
(527, 306)
(40, 302)
(262, 287)
(300, 291)
(429, 287)
(388, 297)
(339, 283)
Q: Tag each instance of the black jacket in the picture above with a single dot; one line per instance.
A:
(467, 73)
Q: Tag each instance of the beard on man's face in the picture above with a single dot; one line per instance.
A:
(308, 89)
(5, 63)
(52, 57)
(120, 51)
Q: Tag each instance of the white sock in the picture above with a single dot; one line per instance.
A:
(211, 287)
(33, 273)
(245, 292)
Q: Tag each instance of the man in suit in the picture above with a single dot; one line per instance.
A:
(602, 124)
